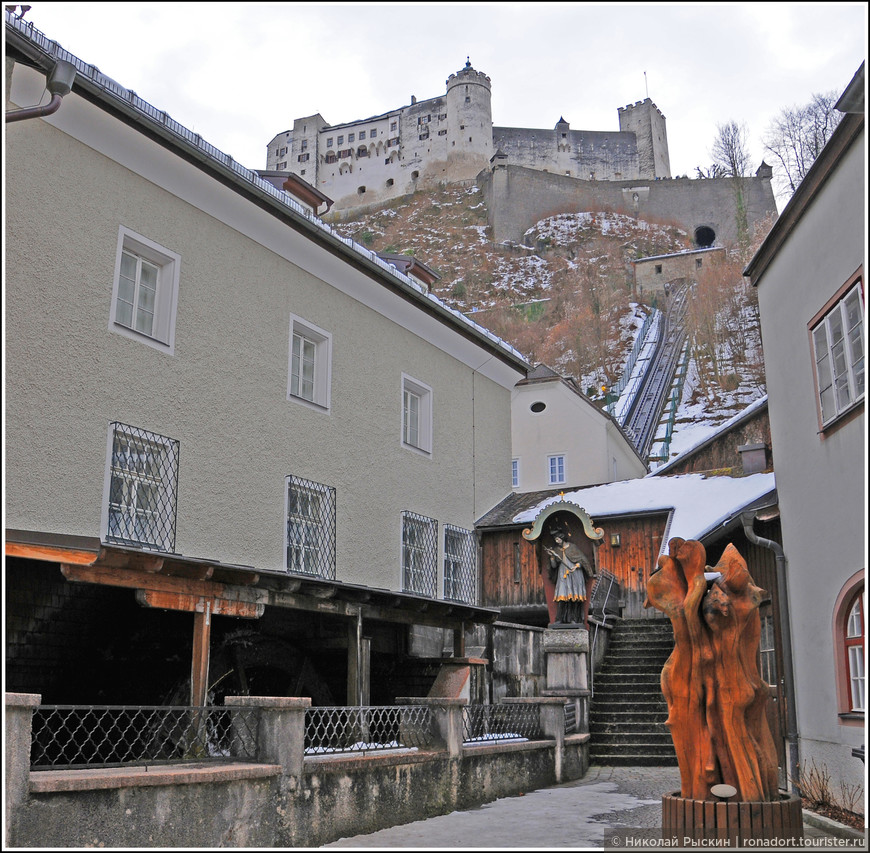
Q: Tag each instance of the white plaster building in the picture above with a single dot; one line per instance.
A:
(561, 438)
(811, 289)
(212, 394)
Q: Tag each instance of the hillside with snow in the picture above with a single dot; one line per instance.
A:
(565, 298)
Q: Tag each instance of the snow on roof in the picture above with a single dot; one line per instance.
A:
(707, 437)
(698, 503)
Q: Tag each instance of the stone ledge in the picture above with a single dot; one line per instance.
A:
(103, 778)
(832, 827)
(342, 761)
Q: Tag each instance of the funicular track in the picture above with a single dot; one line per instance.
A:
(642, 417)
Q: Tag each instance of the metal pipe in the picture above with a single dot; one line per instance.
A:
(59, 83)
(748, 519)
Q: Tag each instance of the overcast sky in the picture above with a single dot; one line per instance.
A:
(239, 73)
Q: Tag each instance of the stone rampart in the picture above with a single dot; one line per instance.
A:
(518, 197)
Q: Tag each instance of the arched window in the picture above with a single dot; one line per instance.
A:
(849, 657)
(853, 641)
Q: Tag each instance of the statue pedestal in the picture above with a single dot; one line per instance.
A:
(566, 650)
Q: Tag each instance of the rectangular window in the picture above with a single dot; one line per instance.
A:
(419, 554)
(838, 352)
(310, 530)
(393, 126)
(142, 482)
(460, 565)
(282, 166)
(303, 143)
(767, 649)
(416, 415)
(362, 135)
(515, 473)
(556, 466)
(145, 291)
(329, 142)
(302, 158)
(350, 137)
(340, 140)
(310, 364)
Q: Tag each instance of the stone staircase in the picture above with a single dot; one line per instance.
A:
(628, 712)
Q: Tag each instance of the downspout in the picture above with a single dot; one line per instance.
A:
(59, 83)
(748, 519)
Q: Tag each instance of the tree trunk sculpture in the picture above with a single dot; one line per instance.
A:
(715, 695)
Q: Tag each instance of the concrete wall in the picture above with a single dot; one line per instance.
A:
(222, 393)
(517, 198)
(652, 274)
(283, 802)
(819, 475)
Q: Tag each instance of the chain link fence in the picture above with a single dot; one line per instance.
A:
(77, 736)
(366, 729)
(485, 723)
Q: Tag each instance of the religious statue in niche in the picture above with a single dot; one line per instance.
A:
(715, 695)
(569, 569)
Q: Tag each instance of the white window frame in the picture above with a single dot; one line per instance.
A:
(416, 424)
(419, 561)
(838, 364)
(321, 343)
(551, 459)
(161, 336)
(515, 473)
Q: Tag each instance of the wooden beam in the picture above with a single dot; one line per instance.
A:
(132, 579)
(198, 604)
(51, 553)
(200, 660)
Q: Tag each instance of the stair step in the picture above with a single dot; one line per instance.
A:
(633, 748)
(633, 760)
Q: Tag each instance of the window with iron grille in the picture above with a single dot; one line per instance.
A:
(838, 344)
(142, 487)
(460, 565)
(310, 513)
(419, 554)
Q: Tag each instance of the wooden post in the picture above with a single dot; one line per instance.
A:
(200, 660)
(358, 664)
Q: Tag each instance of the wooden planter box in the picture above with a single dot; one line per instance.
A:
(736, 821)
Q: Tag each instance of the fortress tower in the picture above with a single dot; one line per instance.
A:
(645, 120)
(469, 121)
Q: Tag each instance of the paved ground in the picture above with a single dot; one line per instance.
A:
(614, 807)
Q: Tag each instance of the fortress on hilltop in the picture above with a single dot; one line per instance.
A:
(523, 172)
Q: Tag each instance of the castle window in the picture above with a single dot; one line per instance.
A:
(423, 119)
(362, 134)
(302, 158)
(329, 142)
(340, 140)
(423, 135)
(392, 125)
(304, 144)
(442, 133)
(330, 157)
(362, 151)
(698, 263)
(350, 137)
(442, 117)
(282, 152)
(345, 153)
(282, 165)
(468, 99)
(373, 133)
(658, 269)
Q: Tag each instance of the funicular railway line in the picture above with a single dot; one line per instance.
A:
(641, 420)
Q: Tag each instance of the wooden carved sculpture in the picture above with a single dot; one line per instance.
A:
(715, 695)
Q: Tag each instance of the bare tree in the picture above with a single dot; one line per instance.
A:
(796, 137)
(730, 152)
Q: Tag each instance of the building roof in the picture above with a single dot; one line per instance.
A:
(27, 44)
(697, 505)
(750, 411)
